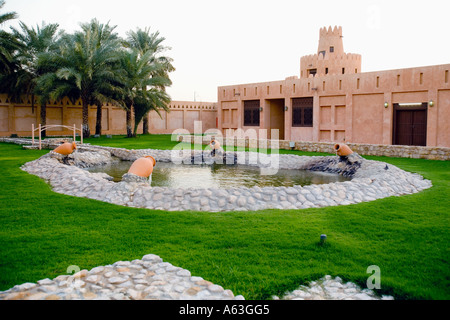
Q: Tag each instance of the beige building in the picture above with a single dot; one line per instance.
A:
(333, 101)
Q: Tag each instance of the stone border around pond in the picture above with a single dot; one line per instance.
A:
(371, 180)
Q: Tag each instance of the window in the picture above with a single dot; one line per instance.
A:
(326, 70)
(251, 113)
(302, 112)
(312, 71)
(343, 70)
(331, 49)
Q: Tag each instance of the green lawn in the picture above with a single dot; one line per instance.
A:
(256, 254)
(163, 141)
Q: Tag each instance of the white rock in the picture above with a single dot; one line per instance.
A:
(184, 273)
(215, 288)
(152, 257)
(45, 282)
(117, 280)
(92, 279)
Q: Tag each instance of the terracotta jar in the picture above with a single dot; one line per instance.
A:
(342, 149)
(143, 167)
(66, 148)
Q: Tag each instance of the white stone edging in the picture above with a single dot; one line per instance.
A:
(372, 180)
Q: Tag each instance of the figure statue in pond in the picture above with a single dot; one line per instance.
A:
(216, 149)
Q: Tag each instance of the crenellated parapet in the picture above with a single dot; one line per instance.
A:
(330, 57)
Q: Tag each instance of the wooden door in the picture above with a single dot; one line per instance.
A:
(410, 125)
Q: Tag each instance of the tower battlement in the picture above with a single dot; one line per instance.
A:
(330, 57)
(336, 31)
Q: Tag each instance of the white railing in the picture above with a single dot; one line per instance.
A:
(51, 126)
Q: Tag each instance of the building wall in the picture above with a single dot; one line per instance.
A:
(348, 107)
(18, 118)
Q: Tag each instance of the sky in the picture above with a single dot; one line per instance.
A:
(215, 43)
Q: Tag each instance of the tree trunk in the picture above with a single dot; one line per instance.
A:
(129, 127)
(98, 125)
(43, 116)
(86, 130)
(145, 124)
(135, 129)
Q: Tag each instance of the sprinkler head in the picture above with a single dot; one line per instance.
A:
(323, 238)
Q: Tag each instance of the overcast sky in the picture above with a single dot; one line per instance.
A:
(228, 42)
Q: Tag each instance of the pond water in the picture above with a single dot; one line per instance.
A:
(167, 174)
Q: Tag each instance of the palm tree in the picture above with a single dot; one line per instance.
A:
(107, 88)
(88, 65)
(144, 42)
(8, 44)
(33, 41)
(132, 83)
(141, 91)
(147, 100)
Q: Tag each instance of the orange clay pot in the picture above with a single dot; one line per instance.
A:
(143, 167)
(216, 144)
(342, 149)
(66, 148)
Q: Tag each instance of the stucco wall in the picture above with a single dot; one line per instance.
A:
(348, 107)
(18, 118)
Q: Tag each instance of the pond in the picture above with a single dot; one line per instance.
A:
(168, 174)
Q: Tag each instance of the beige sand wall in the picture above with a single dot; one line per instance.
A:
(18, 118)
(348, 107)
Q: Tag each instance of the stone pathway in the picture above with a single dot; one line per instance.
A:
(147, 279)
(328, 288)
(153, 279)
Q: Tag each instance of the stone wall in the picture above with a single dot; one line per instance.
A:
(18, 118)
(415, 152)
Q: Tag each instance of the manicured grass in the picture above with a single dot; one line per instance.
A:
(256, 254)
(153, 141)
(164, 141)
